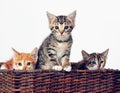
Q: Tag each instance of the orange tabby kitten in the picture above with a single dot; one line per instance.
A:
(21, 61)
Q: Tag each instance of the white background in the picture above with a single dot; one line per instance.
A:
(24, 25)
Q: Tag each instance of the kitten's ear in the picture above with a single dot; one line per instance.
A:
(85, 54)
(50, 17)
(34, 54)
(105, 53)
(72, 16)
(16, 53)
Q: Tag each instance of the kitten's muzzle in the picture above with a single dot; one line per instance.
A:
(61, 32)
(99, 67)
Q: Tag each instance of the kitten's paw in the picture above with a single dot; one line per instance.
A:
(68, 68)
(3, 67)
(59, 68)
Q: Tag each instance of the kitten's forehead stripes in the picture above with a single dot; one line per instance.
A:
(96, 55)
(61, 19)
(93, 55)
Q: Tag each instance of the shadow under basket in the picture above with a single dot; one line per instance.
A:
(49, 81)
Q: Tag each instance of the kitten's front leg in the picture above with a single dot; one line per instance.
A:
(65, 63)
(54, 59)
(57, 65)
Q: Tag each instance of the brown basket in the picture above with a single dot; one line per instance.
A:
(77, 81)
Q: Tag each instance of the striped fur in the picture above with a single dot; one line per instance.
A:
(93, 61)
(55, 50)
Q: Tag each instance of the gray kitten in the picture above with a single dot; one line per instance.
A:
(55, 50)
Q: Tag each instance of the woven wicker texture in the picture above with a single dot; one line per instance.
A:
(77, 81)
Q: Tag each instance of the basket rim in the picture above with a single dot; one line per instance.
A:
(48, 71)
(55, 71)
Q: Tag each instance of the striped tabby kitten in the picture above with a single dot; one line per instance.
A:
(55, 50)
(93, 61)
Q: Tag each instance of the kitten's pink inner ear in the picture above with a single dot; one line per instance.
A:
(85, 54)
(16, 53)
(72, 16)
(51, 17)
(34, 53)
(105, 53)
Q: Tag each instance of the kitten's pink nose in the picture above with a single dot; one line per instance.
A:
(24, 68)
(62, 32)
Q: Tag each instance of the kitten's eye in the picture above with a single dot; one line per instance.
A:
(20, 64)
(93, 62)
(28, 63)
(66, 27)
(101, 62)
(56, 27)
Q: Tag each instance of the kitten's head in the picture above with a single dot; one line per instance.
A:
(61, 26)
(25, 61)
(95, 61)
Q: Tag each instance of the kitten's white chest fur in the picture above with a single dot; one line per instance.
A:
(61, 48)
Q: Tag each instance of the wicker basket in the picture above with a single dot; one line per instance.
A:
(77, 81)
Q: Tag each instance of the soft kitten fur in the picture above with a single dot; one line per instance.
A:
(55, 50)
(21, 61)
(93, 61)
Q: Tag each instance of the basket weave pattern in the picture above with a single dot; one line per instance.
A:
(77, 81)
